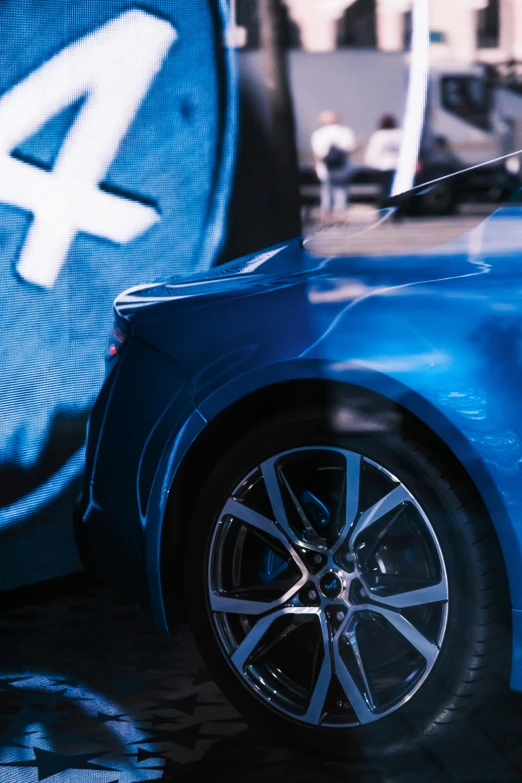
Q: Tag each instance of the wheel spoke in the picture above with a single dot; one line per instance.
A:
(354, 644)
(425, 595)
(316, 705)
(253, 639)
(300, 510)
(360, 704)
(427, 649)
(352, 487)
(390, 501)
(241, 604)
(263, 524)
(273, 488)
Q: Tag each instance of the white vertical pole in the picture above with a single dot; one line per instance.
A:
(416, 98)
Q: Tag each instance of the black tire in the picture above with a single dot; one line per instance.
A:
(476, 640)
(439, 201)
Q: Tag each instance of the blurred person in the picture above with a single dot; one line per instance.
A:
(382, 152)
(332, 143)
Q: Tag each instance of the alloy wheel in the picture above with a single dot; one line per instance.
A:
(327, 587)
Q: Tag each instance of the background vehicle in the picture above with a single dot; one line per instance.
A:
(490, 184)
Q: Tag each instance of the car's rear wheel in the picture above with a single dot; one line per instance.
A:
(437, 200)
(339, 588)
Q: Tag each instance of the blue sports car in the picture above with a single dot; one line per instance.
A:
(315, 453)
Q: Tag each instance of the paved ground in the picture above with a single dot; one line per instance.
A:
(90, 693)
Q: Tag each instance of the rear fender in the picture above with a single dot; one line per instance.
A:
(465, 447)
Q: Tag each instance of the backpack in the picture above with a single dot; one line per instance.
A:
(336, 159)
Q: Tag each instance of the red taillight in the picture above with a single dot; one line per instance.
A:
(115, 342)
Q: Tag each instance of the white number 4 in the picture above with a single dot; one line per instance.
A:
(112, 68)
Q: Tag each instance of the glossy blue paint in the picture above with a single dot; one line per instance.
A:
(438, 331)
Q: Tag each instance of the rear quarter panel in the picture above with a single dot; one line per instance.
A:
(439, 332)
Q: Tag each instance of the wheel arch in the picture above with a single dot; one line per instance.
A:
(335, 397)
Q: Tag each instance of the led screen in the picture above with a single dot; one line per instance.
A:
(116, 147)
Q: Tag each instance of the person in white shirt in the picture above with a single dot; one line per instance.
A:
(382, 152)
(332, 144)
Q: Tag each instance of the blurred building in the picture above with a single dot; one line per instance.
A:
(468, 30)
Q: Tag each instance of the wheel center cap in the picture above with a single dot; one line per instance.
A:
(330, 585)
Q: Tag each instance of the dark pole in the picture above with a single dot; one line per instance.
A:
(280, 113)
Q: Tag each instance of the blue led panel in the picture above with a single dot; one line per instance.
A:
(117, 126)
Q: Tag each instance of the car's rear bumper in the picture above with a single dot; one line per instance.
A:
(144, 401)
